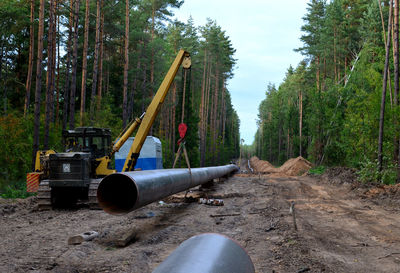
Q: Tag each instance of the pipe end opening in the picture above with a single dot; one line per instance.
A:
(117, 194)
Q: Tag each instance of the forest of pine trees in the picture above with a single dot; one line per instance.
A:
(340, 105)
(70, 63)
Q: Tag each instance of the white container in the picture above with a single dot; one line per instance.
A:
(150, 157)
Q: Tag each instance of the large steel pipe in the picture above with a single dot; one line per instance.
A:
(120, 193)
(207, 253)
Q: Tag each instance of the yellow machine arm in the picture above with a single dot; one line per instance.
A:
(123, 137)
(183, 58)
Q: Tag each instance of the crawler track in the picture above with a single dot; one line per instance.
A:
(92, 202)
(45, 200)
(44, 196)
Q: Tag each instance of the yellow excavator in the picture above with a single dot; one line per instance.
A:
(72, 177)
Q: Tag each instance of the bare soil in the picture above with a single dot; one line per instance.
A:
(341, 228)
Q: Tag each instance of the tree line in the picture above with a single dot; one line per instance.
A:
(340, 105)
(70, 63)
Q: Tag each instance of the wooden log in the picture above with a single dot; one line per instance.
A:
(80, 238)
(224, 215)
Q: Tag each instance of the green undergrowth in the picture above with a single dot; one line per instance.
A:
(16, 190)
(317, 170)
(369, 172)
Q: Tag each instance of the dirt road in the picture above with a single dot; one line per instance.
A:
(338, 230)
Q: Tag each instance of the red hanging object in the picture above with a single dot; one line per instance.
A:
(182, 128)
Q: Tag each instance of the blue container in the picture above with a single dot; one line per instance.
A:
(150, 157)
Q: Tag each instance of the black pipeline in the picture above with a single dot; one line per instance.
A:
(207, 253)
(120, 193)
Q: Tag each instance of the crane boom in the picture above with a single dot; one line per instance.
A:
(183, 58)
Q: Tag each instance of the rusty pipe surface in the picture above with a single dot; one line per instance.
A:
(207, 253)
(120, 193)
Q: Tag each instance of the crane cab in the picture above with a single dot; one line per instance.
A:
(96, 141)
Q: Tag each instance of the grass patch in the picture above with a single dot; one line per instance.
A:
(318, 170)
(15, 190)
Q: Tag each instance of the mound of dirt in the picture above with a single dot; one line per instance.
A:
(10, 206)
(384, 191)
(340, 175)
(262, 166)
(295, 166)
(292, 167)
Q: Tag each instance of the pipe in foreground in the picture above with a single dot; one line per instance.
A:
(120, 193)
(207, 253)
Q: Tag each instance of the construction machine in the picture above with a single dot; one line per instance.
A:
(72, 176)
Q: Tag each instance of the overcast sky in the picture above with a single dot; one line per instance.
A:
(264, 34)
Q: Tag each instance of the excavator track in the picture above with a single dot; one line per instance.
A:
(44, 196)
(94, 184)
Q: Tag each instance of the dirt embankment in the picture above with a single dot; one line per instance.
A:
(384, 195)
(292, 167)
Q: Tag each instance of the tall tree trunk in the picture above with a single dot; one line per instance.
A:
(58, 71)
(31, 56)
(95, 62)
(74, 66)
(223, 113)
(100, 89)
(144, 83)
(5, 99)
(300, 121)
(49, 80)
(279, 142)
(396, 51)
(202, 113)
(270, 137)
(133, 89)
(36, 125)
(84, 63)
(153, 24)
(215, 118)
(317, 76)
(287, 144)
(396, 83)
(385, 41)
(54, 53)
(211, 125)
(107, 89)
(207, 106)
(1, 61)
(173, 119)
(126, 66)
(68, 66)
(334, 55)
(385, 76)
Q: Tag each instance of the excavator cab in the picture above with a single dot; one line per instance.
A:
(96, 141)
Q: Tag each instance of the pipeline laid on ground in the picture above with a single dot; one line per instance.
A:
(207, 253)
(120, 193)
